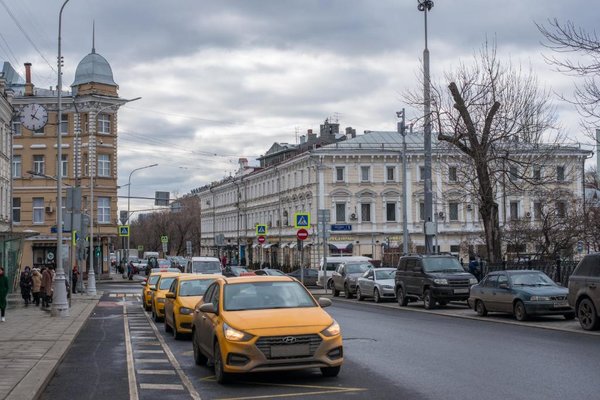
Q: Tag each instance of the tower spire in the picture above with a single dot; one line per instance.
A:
(94, 36)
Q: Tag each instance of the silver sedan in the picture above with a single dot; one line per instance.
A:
(377, 283)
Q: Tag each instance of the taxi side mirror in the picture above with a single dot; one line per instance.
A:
(170, 295)
(143, 283)
(208, 308)
(153, 287)
(324, 302)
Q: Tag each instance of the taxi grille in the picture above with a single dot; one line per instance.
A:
(264, 344)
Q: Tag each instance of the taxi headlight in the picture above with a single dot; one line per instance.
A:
(333, 330)
(161, 300)
(234, 335)
(185, 310)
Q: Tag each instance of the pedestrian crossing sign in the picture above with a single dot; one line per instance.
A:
(302, 220)
(124, 230)
(261, 230)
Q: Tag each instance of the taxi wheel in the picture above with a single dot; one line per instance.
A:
(199, 358)
(155, 315)
(220, 375)
(147, 307)
(176, 334)
(330, 372)
(168, 328)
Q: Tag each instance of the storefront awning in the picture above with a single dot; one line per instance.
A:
(293, 245)
(255, 245)
(269, 245)
(340, 245)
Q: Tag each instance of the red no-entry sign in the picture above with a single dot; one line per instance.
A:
(302, 234)
(261, 239)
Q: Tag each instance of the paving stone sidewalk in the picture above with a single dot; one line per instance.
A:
(32, 344)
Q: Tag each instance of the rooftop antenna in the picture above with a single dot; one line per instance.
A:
(336, 117)
(297, 129)
(93, 36)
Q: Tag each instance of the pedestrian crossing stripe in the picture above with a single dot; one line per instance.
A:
(301, 220)
(261, 230)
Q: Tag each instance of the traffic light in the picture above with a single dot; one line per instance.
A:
(97, 251)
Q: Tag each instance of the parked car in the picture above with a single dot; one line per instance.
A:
(203, 265)
(521, 293)
(237, 270)
(269, 271)
(433, 278)
(346, 275)
(584, 291)
(326, 269)
(264, 323)
(377, 283)
(310, 276)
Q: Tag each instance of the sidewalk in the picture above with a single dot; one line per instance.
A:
(32, 344)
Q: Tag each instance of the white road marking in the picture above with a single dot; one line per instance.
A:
(151, 360)
(156, 372)
(133, 393)
(148, 343)
(160, 386)
(150, 351)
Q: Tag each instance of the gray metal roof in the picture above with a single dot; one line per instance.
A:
(93, 68)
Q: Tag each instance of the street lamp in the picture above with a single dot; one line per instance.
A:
(60, 304)
(129, 200)
(91, 287)
(426, 6)
(402, 130)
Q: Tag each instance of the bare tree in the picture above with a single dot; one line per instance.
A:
(569, 39)
(498, 122)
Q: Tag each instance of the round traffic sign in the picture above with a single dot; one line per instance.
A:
(261, 239)
(302, 234)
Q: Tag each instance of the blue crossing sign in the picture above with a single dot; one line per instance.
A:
(302, 220)
(124, 230)
(261, 230)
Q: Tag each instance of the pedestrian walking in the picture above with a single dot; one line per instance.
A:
(26, 283)
(75, 278)
(36, 279)
(3, 293)
(46, 287)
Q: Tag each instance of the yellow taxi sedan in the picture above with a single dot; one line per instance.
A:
(185, 292)
(149, 283)
(264, 323)
(161, 288)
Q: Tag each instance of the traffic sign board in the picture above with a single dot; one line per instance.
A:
(124, 230)
(301, 220)
(302, 234)
(261, 230)
(261, 239)
(140, 247)
(164, 239)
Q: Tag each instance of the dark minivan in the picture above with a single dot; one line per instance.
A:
(434, 278)
(584, 291)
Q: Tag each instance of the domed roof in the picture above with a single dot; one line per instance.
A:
(93, 68)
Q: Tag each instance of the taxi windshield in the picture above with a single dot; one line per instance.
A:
(165, 283)
(266, 295)
(153, 279)
(195, 287)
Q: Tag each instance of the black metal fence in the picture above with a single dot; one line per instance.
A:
(559, 271)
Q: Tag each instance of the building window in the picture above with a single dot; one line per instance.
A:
(514, 210)
(561, 209)
(104, 124)
(340, 212)
(104, 165)
(365, 173)
(64, 165)
(104, 210)
(38, 210)
(17, 167)
(560, 173)
(339, 174)
(452, 174)
(64, 124)
(39, 132)
(365, 212)
(422, 211)
(390, 212)
(453, 211)
(16, 126)
(537, 173)
(537, 210)
(513, 173)
(390, 174)
(16, 208)
(38, 164)
(421, 173)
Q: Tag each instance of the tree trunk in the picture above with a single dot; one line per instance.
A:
(488, 209)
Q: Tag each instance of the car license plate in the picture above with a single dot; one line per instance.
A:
(561, 304)
(291, 350)
(461, 291)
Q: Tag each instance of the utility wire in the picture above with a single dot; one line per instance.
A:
(14, 58)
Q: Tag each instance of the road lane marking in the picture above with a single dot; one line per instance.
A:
(133, 393)
(161, 386)
(156, 371)
(186, 381)
(151, 360)
(148, 343)
(316, 393)
(150, 351)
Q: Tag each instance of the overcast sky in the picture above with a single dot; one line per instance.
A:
(225, 79)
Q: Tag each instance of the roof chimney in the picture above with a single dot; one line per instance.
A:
(28, 84)
(243, 162)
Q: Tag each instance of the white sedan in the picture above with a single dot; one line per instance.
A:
(377, 283)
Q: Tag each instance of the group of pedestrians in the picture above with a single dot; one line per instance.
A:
(36, 286)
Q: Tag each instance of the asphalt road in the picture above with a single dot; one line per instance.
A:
(389, 354)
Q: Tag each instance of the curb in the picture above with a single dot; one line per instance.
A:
(37, 379)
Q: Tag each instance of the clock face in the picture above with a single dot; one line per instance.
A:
(34, 117)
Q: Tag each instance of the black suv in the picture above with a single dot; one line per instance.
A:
(433, 278)
(584, 291)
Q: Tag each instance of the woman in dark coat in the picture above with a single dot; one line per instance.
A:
(3, 293)
(26, 283)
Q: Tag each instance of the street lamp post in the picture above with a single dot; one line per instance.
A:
(128, 203)
(402, 131)
(426, 6)
(60, 304)
(91, 287)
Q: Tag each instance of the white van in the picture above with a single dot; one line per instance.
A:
(326, 270)
(203, 265)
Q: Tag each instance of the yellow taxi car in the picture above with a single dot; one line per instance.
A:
(149, 283)
(157, 302)
(264, 323)
(185, 292)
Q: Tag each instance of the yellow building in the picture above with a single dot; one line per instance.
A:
(89, 159)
